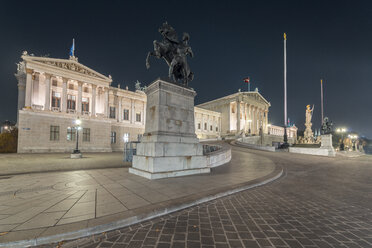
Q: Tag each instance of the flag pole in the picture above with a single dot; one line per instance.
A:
(321, 99)
(73, 50)
(285, 138)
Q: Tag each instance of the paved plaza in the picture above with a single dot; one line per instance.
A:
(63, 205)
(318, 202)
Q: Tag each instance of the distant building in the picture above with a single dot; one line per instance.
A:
(7, 126)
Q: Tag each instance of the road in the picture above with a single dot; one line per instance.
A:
(318, 202)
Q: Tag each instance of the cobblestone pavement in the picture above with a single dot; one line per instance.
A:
(320, 202)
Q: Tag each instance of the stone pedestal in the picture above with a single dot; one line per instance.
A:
(169, 146)
(326, 143)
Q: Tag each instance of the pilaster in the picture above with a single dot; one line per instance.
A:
(79, 98)
(47, 92)
(29, 73)
(64, 95)
(94, 88)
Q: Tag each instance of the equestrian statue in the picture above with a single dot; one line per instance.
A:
(175, 53)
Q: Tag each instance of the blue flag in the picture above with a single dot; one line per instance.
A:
(72, 50)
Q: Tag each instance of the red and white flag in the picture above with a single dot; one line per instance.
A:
(246, 80)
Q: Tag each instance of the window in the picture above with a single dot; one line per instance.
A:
(205, 126)
(70, 86)
(54, 133)
(54, 82)
(71, 133)
(126, 115)
(86, 90)
(86, 134)
(216, 129)
(139, 137)
(112, 112)
(199, 126)
(232, 109)
(211, 128)
(71, 100)
(138, 117)
(85, 104)
(56, 99)
(126, 137)
(113, 137)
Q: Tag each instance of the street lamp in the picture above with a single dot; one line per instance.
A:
(353, 139)
(342, 131)
(77, 128)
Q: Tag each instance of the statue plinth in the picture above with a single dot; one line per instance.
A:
(169, 146)
(326, 143)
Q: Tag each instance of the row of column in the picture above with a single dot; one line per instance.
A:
(30, 77)
(215, 120)
(254, 116)
(119, 111)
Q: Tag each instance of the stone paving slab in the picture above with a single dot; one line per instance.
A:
(319, 202)
(47, 207)
(15, 163)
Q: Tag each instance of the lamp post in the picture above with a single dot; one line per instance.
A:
(77, 127)
(342, 131)
(353, 139)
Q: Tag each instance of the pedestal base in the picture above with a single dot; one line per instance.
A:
(159, 175)
(326, 144)
(76, 155)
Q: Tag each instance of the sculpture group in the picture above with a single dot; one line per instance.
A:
(175, 53)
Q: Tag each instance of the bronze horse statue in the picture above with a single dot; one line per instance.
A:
(174, 53)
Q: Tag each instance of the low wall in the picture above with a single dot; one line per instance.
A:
(219, 157)
(253, 146)
(310, 151)
(266, 140)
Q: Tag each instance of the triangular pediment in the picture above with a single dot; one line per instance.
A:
(66, 64)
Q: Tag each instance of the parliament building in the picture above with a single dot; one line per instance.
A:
(54, 93)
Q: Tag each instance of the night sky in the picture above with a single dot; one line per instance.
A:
(230, 40)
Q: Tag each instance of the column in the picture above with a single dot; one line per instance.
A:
(132, 114)
(238, 116)
(143, 113)
(47, 92)
(266, 119)
(28, 88)
(106, 103)
(79, 98)
(119, 118)
(244, 117)
(94, 88)
(64, 95)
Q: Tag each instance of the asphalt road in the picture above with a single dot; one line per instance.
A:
(318, 202)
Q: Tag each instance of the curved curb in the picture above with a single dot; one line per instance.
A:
(147, 214)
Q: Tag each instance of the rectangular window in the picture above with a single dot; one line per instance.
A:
(86, 90)
(56, 99)
(85, 104)
(205, 126)
(86, 134)
(216, 129)
(112, 112)
(126, 137)
(70, 86)
(54, 133)
(138, 117)
(113, 137)
(71, 131)
(199, 126)
(211, 128)
(54, 82)
(126, 115)
(71, 102)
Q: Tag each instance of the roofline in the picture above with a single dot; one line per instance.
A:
(235, 94)
(29, 58)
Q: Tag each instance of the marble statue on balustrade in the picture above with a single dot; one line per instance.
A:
(175, 53)
(308, 134)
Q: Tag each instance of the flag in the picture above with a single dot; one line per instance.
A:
(246, 80)
(72, 50)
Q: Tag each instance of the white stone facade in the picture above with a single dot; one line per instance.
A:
(53, 93)
(207, 124)
(242, 113)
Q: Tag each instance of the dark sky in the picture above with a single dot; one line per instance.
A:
(230, 39)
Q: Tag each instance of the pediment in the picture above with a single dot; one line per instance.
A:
(67, 64)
